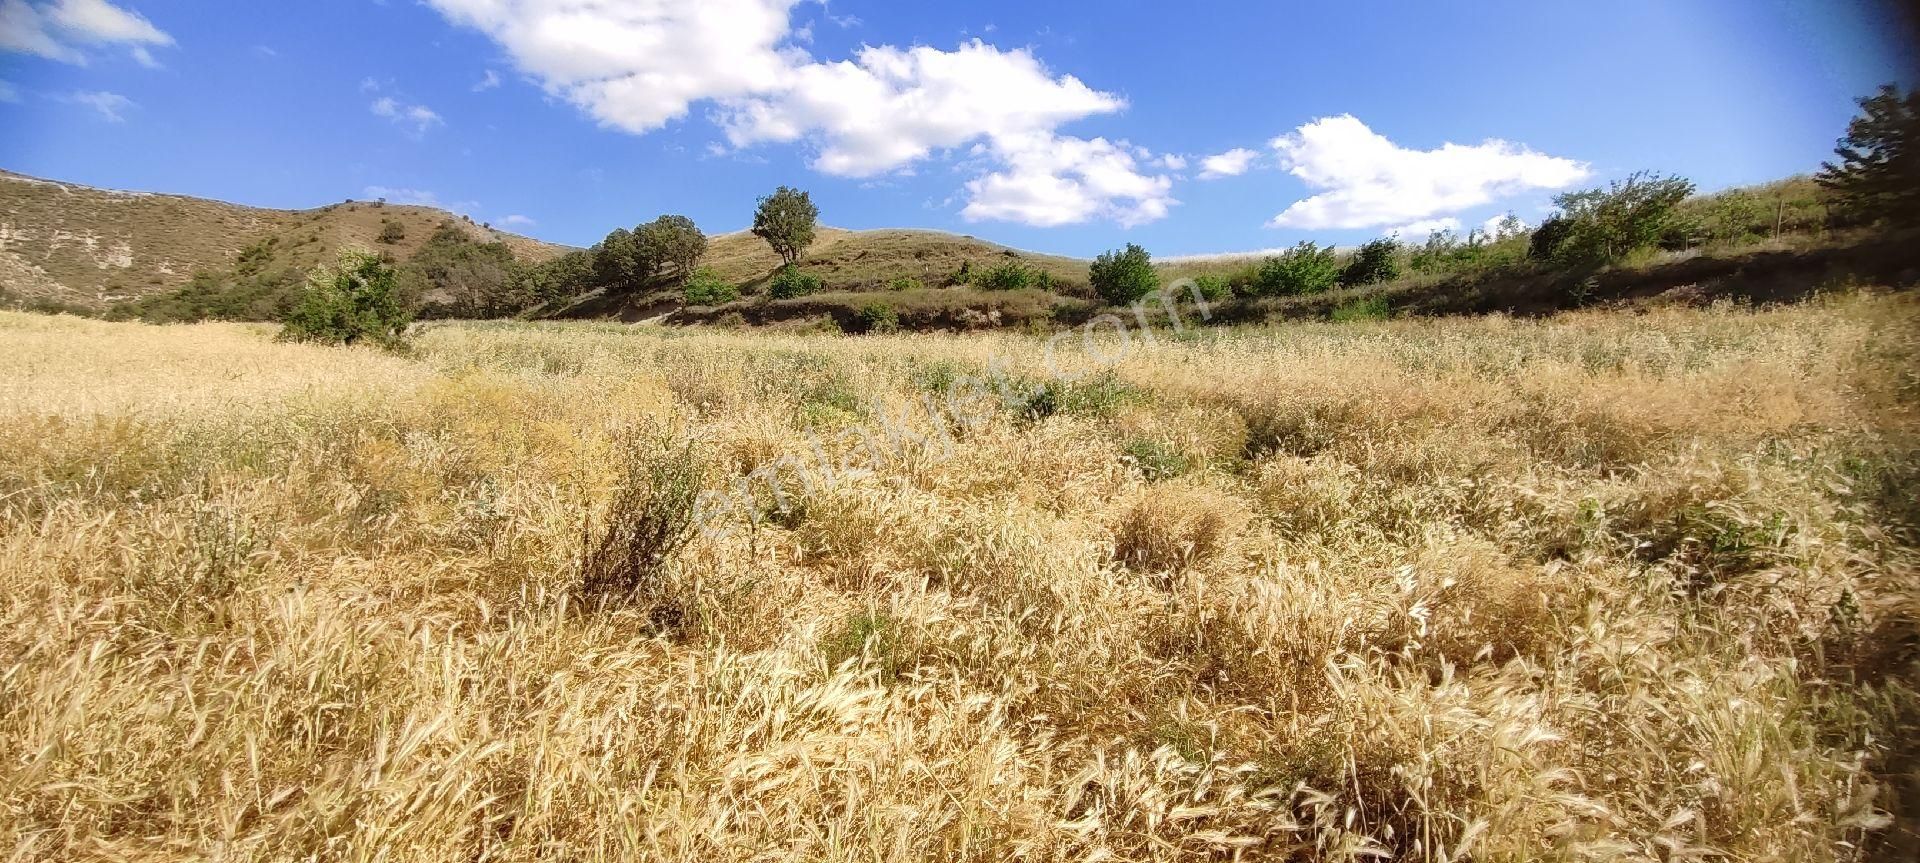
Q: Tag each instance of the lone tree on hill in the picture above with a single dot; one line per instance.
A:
(1878, 175)
(671, 241)
(786, 220)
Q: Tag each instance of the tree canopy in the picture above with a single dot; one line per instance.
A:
(786, 220)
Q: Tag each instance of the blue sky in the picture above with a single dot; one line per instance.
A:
(1067, 127)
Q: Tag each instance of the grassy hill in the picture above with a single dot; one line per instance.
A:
(69, 246)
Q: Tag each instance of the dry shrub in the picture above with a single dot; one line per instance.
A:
(650, 519)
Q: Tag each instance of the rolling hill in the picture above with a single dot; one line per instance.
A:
(64, 245)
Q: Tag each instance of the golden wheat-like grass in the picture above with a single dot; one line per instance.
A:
(1601, 587)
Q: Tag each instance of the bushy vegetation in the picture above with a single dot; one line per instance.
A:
(1123, 276)
(706, 288)
(1374, 262)
(1597, 226)
(471, 279)
(355, 300)
(1306, 268)
(1010, 275)
(1594, 587)
(791, 281)
(877, 318)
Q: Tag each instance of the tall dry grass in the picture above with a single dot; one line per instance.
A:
(1604, 587)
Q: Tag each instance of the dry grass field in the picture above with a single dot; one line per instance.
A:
(1601, 586)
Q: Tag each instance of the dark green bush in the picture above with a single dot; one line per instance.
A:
(1008, 276)
(1304, 269)
(1124, 276)
(1214, 288)
(790, 282)
(356, 300)
(706, 288)
(1369, 309)
(877, 318)
(1374, 262)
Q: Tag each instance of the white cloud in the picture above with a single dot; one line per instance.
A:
(60, 30)
(1496, 230)
(519, 221)
(1172, 162)
(1417, 232)
(638, 65)
(112, 106)
(1232, 163)
(1369, 180)
(488, 82)
(417, 118)
(1056, 180)
(8, 92)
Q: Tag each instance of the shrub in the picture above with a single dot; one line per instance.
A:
(1009, 276)
(1607, 225)
(355, 299)
(645, 525)
(877, 318)
(1369, 309)
(1125, 276)
(706, 288)
(392, 232)
(872, 638)
(904, 283)
(1214, 288)
(1376, 261)
(790, 282)
(1303, 269)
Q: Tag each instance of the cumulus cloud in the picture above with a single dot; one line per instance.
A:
(1232, 163)
(417, 119)
(112, 107)
(1054, 180)
(638, 65)
(63, 29)
(1368, 180)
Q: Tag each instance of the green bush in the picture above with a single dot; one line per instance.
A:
(1369, 309)
(1303, 269)
(392, 232)
(1605, 225)
(904, 283)
(877, 318)
(644, 527)
(356, 299)
(790, 282)
(1376, 261)
(1124, 276)
(706, 288)
(1878, 174)
(1214, 288)
(1010, 275)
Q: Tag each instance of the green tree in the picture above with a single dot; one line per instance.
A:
(357, 298)
(1374, 262)
(1306, 268)
(617, 262)
(786, 220)
(1124, 276)
(1878, 174)
(468, 278)
(671, 241)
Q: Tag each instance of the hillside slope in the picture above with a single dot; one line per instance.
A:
(76, 246)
